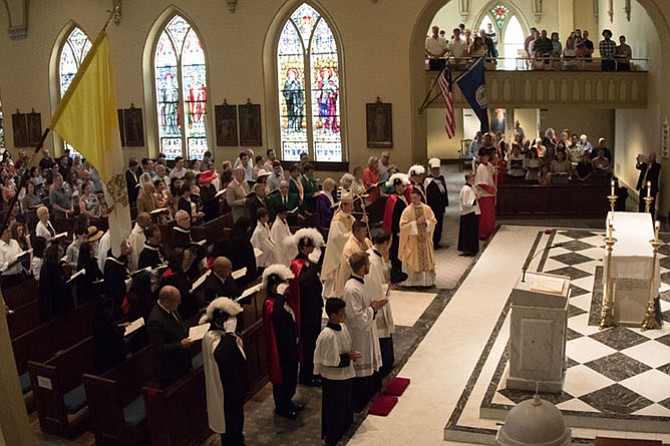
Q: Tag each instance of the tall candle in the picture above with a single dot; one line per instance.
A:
(612, 193)
(648, 189)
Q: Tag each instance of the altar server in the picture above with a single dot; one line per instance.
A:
(281, 237)
(357, 242)
(338, 234)
(486, 185)
(361, 311)
(262, 240)
(468, 230)
(334, 361)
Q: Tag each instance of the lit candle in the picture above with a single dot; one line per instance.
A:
(612, 193)
(648, 189)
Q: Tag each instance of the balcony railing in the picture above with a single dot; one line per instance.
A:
(550, 64)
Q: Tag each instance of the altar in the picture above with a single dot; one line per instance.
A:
(632, 265)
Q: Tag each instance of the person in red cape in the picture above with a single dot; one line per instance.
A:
(281, 340)
(485, 181)
(395, 204)
(305, 291)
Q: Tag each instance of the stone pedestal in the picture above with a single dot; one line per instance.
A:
(538, 333)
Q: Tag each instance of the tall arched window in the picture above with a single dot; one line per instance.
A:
(180, 73)
(72, 54)
(509, 32)
(309, 88)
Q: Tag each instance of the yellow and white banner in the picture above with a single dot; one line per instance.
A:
(86, 118)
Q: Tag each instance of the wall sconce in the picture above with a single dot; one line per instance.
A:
(610, 10)
(537, 10)
(627, 9)
(232, 4)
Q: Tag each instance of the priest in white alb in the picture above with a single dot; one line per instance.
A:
(416, 251)
(358, 242)
(338, 234)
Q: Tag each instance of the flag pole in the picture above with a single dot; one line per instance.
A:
(112, 14)
(425, 102)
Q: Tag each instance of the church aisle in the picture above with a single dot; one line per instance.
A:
(441, 365)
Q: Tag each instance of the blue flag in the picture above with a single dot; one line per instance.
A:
(473, 87)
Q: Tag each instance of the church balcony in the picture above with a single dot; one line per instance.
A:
(524, 83)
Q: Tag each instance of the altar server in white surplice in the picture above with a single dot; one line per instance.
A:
(262, 240)
(377, 284)
(361, 311)
(338, 234)
(281, 235)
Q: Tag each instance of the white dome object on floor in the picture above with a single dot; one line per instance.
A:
(532, 423)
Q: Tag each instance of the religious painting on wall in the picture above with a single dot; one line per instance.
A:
(226, 124)
(250, 124)
(498, 119)
(34, 123)
(19, 125)
(133, 126)
(379, 124)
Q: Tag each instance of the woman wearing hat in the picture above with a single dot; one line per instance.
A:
(281, 340)
(224, 363)
(210, 202)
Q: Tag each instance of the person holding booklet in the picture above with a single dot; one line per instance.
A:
(11, 256)
(168, 336)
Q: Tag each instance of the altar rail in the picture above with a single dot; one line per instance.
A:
(579, 200)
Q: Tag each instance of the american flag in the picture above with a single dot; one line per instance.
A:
(444, 81)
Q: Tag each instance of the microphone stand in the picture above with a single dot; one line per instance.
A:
(527, 264)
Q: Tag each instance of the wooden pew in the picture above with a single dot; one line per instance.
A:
(214, 230)
(59, 394)
(46, 340)
(25, 318)
(115, 401)
(21, 294)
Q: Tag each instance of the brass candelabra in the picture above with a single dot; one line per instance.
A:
(650, 322)
(647, 203)
(607, 312)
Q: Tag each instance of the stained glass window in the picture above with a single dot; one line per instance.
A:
(500, 13)
(181, 92)
(309, 88)
(76, 46)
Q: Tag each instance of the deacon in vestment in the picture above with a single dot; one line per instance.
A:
(281, 237)
(436, 197)
(262, 240)
(361, 312)
(378, 285)
(395, 205)
(338, 234)
(305, 292)
(281, 340)
(333, 360)
(357, 242)
(468, 230)
(416, 251)
(485, 182)
(225, 366)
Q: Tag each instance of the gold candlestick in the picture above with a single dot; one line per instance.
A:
(650, 322)
(648, 201)
(612, 199)
(607, 312)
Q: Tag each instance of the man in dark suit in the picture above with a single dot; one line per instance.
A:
(255, 202)
(132, 180)
(220, 282)
(650, 172)
(169, 337)
(284, 200)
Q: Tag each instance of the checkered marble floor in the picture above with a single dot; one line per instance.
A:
(617, 378)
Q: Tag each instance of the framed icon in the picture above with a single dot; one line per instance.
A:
(250, 124)
(226, 125)
(379, 124)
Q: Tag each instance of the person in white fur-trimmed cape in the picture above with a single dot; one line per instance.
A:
(225, 366)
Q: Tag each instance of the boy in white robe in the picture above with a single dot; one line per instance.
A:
(378, 286)
(333, 360)
(361, 312)
(281, 235)
(262, 240)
